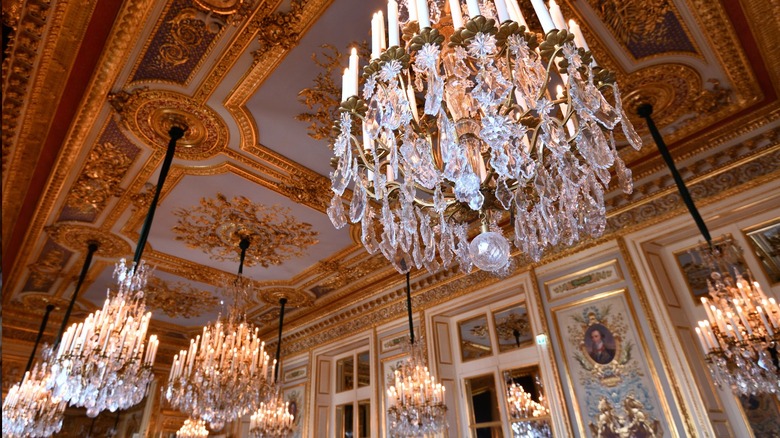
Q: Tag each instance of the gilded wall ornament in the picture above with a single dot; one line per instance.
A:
(179, 299)
(308, 189)
(280, 30)
(151, 113)
(77, 237)
(217, 225)
(187, 29)
(323, 98)
(100, 178)
(232, 11)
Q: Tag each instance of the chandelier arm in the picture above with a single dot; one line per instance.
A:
(282, 302)
(409, 308)
(175, 134)
(646, 111)
(49, 308)
(91, 249)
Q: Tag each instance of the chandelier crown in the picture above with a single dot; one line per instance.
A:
(494, 124)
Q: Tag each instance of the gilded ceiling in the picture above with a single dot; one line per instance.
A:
(88, 100)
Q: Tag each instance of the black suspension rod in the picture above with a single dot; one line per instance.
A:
(49, 308)
(646, 111)
(409, 307)
(175, 133)
(244, 245)
(91, 249)
(282, 302)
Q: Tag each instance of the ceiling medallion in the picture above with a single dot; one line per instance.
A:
(75, 237)
(217, 225)
(295, 297)
(151, 113)
(36, 303)
(178, 299)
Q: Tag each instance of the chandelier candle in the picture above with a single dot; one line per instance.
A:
(485, 126)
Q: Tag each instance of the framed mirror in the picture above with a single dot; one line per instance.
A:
(474, 337)
(529, 414)
(513, 328)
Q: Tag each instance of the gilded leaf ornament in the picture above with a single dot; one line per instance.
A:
(178, 299)
(217, 225)
(99, 181)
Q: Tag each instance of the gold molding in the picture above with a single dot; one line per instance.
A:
(76, 237)
(126, 27)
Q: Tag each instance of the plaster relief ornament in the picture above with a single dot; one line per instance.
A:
(217, 224)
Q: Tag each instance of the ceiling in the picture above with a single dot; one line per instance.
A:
(89, 93)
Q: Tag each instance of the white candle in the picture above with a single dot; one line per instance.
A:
(744, 320)
(769, 330)
(516, 13)
(392, 23)
(375, 51)
(557, 15)
(423, 14)
(411, 5)
(382, 39)
(473, 7)
(543, 14)
(354, 65)
(706, 306)
(457, 14)
(345, 85)
(701, 340)
(501, 9)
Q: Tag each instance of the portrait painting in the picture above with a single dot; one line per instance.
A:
(600, 344)
(295, 397)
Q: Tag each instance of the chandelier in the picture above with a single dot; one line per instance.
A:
(29, 410)
(529, 417)
(224, 374)
(742, 330)
(193, 429)
(495, 125)
(415, 401)
(273, 417)
(740, 336)
(105, 361)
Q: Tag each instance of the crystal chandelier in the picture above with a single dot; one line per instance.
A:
(193, 429)
(415, 402)
(740, 336)
(273, 418)
(105, 361)
(492, 125)
(29, 410)
(224, 374)
(742, 330)
(529, 417)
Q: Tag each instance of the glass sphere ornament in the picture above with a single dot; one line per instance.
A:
(489, 251)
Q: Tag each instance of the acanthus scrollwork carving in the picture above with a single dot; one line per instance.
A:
(77, 237)
(623, 17)
(217, 225)
(280, 30)
(188, 28)
(179, 299)
(307, 189)
(100, 178)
